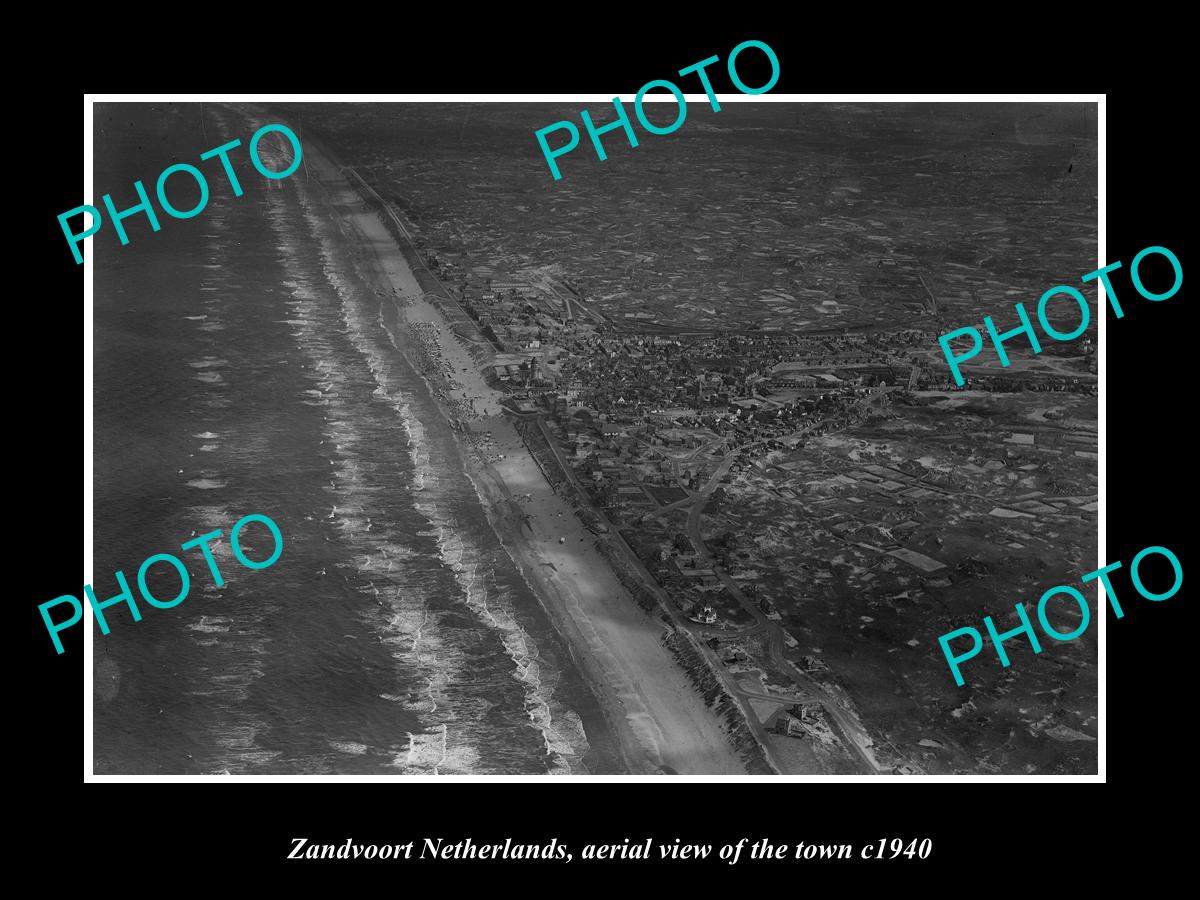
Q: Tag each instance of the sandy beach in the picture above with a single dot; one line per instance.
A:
(662, 722)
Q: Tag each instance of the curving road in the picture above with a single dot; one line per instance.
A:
(852, 730)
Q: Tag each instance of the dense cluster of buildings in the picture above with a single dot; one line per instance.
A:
(624, 405)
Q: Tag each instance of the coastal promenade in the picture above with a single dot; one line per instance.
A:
(661, 721)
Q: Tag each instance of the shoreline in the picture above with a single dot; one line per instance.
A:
(661, 723)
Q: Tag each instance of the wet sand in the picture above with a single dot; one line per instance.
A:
(662, 722)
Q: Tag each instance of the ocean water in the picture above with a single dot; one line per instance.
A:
(243, 365)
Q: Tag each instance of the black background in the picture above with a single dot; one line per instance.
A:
(991, 833)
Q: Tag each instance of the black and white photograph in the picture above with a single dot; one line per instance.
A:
(419, 461)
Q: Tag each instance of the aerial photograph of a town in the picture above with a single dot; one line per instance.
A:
(656, 469)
